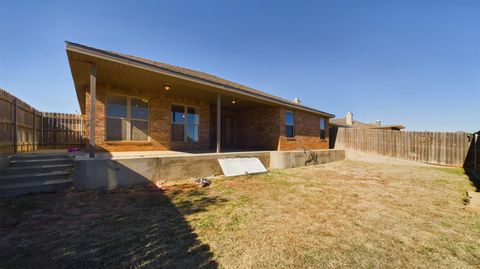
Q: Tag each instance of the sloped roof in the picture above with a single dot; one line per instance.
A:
(197, 75)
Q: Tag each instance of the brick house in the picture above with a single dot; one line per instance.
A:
(134, 104)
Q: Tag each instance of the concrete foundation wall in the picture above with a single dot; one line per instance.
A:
(291, 159)
(107, 174)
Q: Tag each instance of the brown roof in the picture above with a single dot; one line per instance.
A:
(198, 75)
(342, 122)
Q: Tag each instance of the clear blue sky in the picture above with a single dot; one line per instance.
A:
(415, 63)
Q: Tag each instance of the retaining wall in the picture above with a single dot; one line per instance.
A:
(92, 174)
(107, 174)
(291, 159)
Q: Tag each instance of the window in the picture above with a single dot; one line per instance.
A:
(289, 127)
(322, 128)
(116, 118)
(192, 125)
(127, 119)
(184, 128)
(178, 123)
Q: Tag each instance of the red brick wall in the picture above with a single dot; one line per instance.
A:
(213, 126)
(261, 127)
(159, 121)
(258, 128)
(307, 132)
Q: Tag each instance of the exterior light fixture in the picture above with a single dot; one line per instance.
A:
(233, 101)
(167, 87)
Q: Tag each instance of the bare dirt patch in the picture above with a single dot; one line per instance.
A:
(345, 214)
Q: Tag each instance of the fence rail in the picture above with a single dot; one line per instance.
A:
(428, 147)
(24, 128)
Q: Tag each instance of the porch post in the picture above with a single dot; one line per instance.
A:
(219, 111)
(93, 89)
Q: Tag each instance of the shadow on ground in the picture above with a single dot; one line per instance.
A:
(137, 227)
(472, 160)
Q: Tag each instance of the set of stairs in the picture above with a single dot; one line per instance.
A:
(33, 173)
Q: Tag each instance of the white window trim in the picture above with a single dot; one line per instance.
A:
(128, 119)
(324, 127)
(185, 123)
(293, 123)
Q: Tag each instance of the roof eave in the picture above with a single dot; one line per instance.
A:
(74, 47)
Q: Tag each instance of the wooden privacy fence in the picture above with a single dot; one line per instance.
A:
(23, 128)
(428, 147)
(61, 130)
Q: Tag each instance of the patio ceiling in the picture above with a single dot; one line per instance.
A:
(125, 76)
(123, 72)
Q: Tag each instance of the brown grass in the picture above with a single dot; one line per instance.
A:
(345, 214)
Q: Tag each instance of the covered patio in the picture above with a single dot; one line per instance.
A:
(134, 104)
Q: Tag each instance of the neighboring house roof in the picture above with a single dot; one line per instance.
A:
(189, 73)
(342, 122)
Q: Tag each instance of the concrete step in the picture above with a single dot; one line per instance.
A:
(34, 177)
(37, 187)
(36, 169)
(35, 162)
(20, 157)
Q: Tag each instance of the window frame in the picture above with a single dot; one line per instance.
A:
(324, 128)
(185, 123)
(127, 119)
(293, 123)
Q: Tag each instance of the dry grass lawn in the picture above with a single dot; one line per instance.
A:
(340, 215)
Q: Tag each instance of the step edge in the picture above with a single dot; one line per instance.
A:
(37, 166)
(40, 156)
(28, 185)
(41, 160)
(52, 173)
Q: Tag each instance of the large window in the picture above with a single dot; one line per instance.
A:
(184, 128)
(127, 119)
(322, 129)
(289, 124)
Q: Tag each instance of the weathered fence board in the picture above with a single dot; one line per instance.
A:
(23, 128)
(61, 130)
(428, 147)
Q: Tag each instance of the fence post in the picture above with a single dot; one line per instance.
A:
(34, 128)
(41, 130)
(15, 125)
(55, 129)
(475, 137)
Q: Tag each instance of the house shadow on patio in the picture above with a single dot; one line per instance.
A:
(135, 227)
